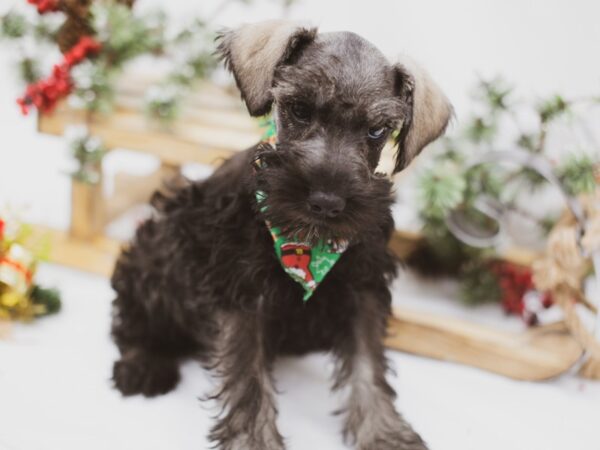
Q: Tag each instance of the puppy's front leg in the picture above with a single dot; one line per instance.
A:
(371, 422)
(249, 414)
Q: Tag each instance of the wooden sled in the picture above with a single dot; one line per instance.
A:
(214, 127)
(540, 353)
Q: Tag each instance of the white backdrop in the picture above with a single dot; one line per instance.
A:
(542, 46)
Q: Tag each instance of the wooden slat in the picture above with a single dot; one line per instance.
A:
(536, 354)
(404, 242)
(96, 255)
(132, 190)
(214, 125)
(130, 131)
(87, 209)
(206, 94)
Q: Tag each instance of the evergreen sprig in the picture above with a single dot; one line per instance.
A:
(124, 34)
(447, 183)
(13, 25)
(577, 174)
(88, 152)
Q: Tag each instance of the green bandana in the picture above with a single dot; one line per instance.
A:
(306, 264)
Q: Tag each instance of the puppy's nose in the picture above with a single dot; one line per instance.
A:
(326, 204)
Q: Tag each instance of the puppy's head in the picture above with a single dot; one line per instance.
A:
(336, 100)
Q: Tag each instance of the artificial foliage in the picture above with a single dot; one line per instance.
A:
(44, 94)
(87, 151)
(123, 34)
(98, 39)
(21, 298)
(449, 183)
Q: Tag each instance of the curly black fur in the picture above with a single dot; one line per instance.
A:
(201, 278)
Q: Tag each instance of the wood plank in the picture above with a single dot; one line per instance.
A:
(205, 95)
(96, 255)
(404, 242)
(129, 131)
(537, 354)
(132, 190)
(87, 209)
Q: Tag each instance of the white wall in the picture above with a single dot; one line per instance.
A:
(542, 46)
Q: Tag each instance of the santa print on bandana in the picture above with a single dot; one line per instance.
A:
(296, 258)
(305, 264)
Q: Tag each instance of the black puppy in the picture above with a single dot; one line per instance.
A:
(202, 277)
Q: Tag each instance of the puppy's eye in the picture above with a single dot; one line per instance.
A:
(301, 112)
(377, 132)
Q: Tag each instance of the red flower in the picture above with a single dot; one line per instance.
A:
(44, 6)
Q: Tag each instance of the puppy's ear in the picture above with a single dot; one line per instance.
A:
(428, 111)
(253, 52)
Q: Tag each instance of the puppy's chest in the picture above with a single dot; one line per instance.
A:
(297, 326)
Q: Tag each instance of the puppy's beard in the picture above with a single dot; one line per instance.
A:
(310, 230)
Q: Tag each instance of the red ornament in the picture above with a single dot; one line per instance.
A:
(45, 6)
(85, 47)
(516, 281)
(45, 94)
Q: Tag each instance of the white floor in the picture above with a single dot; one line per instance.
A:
(55, 392)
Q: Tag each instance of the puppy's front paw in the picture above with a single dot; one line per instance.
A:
(257, 435)
(247, 442)
(402, 440)
(145, 374)
(382, 432)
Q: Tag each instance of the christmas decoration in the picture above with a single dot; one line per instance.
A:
(97, 39)
(20, 297)
(46, 93)
(123, 35)
(518, 292)
(13, 26)
(480, 193)
(87, 152)
(572, 252)
(194, 61)
(44, 6)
